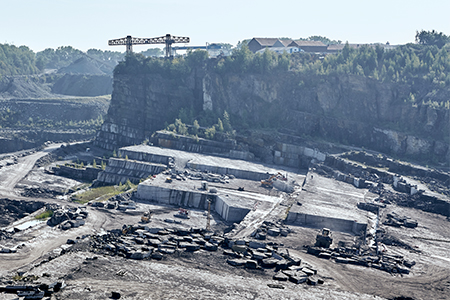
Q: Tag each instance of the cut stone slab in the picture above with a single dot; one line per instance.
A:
(269, 263)
(312, 280)
(282, 264)
(256, 245)
(157, 255)
(251, 264)
(236, 262)
(259, 255)
(210, 247)
(308, 271)
(280, 276)
(298, 278)
(239, 248)
(273, 231)
(324, 255)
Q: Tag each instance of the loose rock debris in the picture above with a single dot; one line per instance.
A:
(389, 263)
(33, 291)
(68, 218)
(140, 242)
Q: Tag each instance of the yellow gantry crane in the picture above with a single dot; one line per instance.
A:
(168, 39)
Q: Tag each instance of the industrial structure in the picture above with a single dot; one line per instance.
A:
(168, 40)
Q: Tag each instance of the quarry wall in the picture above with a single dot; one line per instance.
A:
(347, 109)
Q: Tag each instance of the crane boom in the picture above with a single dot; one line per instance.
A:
(168, 39)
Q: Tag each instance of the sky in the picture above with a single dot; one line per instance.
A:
(86, 24)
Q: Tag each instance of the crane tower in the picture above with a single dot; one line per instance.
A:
(168, 39)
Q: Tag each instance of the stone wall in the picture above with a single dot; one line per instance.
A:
(120, 170)
(334, 224)
(87, 174)
(173, 196)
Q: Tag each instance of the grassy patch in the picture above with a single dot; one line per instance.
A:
(102, 193)
(46, 214)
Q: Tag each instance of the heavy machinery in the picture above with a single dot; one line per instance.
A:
(323, 239)
(182, 213)
(146, 217)
(269, 182)
(168, 39)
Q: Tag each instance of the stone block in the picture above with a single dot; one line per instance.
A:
(256, 245)
(236, 262)
(239, 248)
(273, 231)
(312, 280)
(251, 264)
(269, 263)
(308, 271)
(298, 279)
(324, 255)
(210, 247)
(258, 255)
(280, 276)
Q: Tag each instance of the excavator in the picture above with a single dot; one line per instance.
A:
(269, 182)
(182, 213)
(146, 217)
(323, 239)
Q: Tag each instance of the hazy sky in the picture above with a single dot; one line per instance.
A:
(85, 24)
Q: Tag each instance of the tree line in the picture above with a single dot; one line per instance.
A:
(23, 61)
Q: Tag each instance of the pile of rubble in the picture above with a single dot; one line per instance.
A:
(259, 255)
(6, 234)
(351, 255)
(199, 175)
(33, 291)
(68, 218)
(142, 242)
(12, 210)
(272, 229)
(395, 220)
(121, 202)
(435, 185)
(371, 206)
(42, 192)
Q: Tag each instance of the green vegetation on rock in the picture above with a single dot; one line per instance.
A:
(45, 215)
(102, 193)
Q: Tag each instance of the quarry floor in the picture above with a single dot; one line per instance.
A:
(206, 275)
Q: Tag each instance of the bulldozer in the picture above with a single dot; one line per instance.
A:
(324, 239)
(146, 217)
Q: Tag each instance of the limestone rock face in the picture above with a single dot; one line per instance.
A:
(349, 109)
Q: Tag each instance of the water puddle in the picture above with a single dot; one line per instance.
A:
(28, 224)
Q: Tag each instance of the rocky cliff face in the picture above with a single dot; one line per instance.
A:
(347, 109)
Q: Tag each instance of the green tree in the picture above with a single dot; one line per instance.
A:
(219, 125)
(195, 128)
(226, 122)
(432, 38)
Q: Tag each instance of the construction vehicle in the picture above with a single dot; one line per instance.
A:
(168, 179)
(269, 182)
(323, 239)
(126, 229)
(146, 217)
(182, 213)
